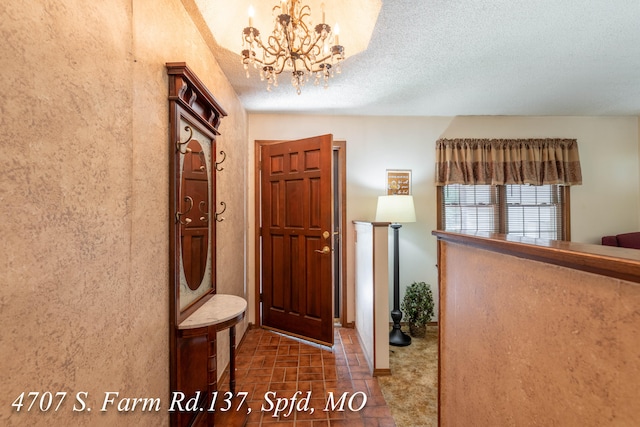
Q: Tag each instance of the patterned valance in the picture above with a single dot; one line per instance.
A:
(507, 161)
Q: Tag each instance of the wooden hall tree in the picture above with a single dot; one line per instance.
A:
(194, 119)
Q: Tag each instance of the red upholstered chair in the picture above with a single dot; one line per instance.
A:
(626, 240)
(629, 240)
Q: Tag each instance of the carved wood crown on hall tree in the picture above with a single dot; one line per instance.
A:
(189, 91)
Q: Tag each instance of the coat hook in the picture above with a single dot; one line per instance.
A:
(203, 161)
(179, 215)
(180, 144)
(202, 206)
(224, 157)
(224, 208)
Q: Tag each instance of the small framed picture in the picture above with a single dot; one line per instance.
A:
(398, 181)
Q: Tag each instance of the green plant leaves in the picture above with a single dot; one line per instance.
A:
(417, 304)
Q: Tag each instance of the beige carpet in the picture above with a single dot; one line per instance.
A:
(411, 391)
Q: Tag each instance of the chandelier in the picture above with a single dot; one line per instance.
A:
(293, 47)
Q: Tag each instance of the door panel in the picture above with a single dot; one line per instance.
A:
(296, 208)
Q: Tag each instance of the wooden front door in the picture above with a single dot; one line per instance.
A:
(296, 232)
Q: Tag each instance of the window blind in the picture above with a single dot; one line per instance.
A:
(534, 211)
(523, 210)
(471, 208)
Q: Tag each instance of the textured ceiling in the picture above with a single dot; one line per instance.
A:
(465, 57)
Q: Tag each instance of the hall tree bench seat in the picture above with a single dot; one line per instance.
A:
(219, 310)
(197, 353)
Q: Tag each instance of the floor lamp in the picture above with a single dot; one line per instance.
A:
(396, 209)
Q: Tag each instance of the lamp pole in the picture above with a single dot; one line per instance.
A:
(396, 336)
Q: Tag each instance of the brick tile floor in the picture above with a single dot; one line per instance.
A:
(270, 366)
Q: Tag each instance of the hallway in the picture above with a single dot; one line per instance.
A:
(268, 362)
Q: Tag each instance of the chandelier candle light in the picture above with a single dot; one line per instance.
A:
(293, 47)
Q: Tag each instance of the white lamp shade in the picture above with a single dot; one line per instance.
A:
(396, 208)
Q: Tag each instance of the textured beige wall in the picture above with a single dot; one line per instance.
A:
(84, 188)
(528, 343)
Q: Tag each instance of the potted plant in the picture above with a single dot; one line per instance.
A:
(417, 307)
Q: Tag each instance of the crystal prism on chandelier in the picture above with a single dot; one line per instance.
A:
(293, 47)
